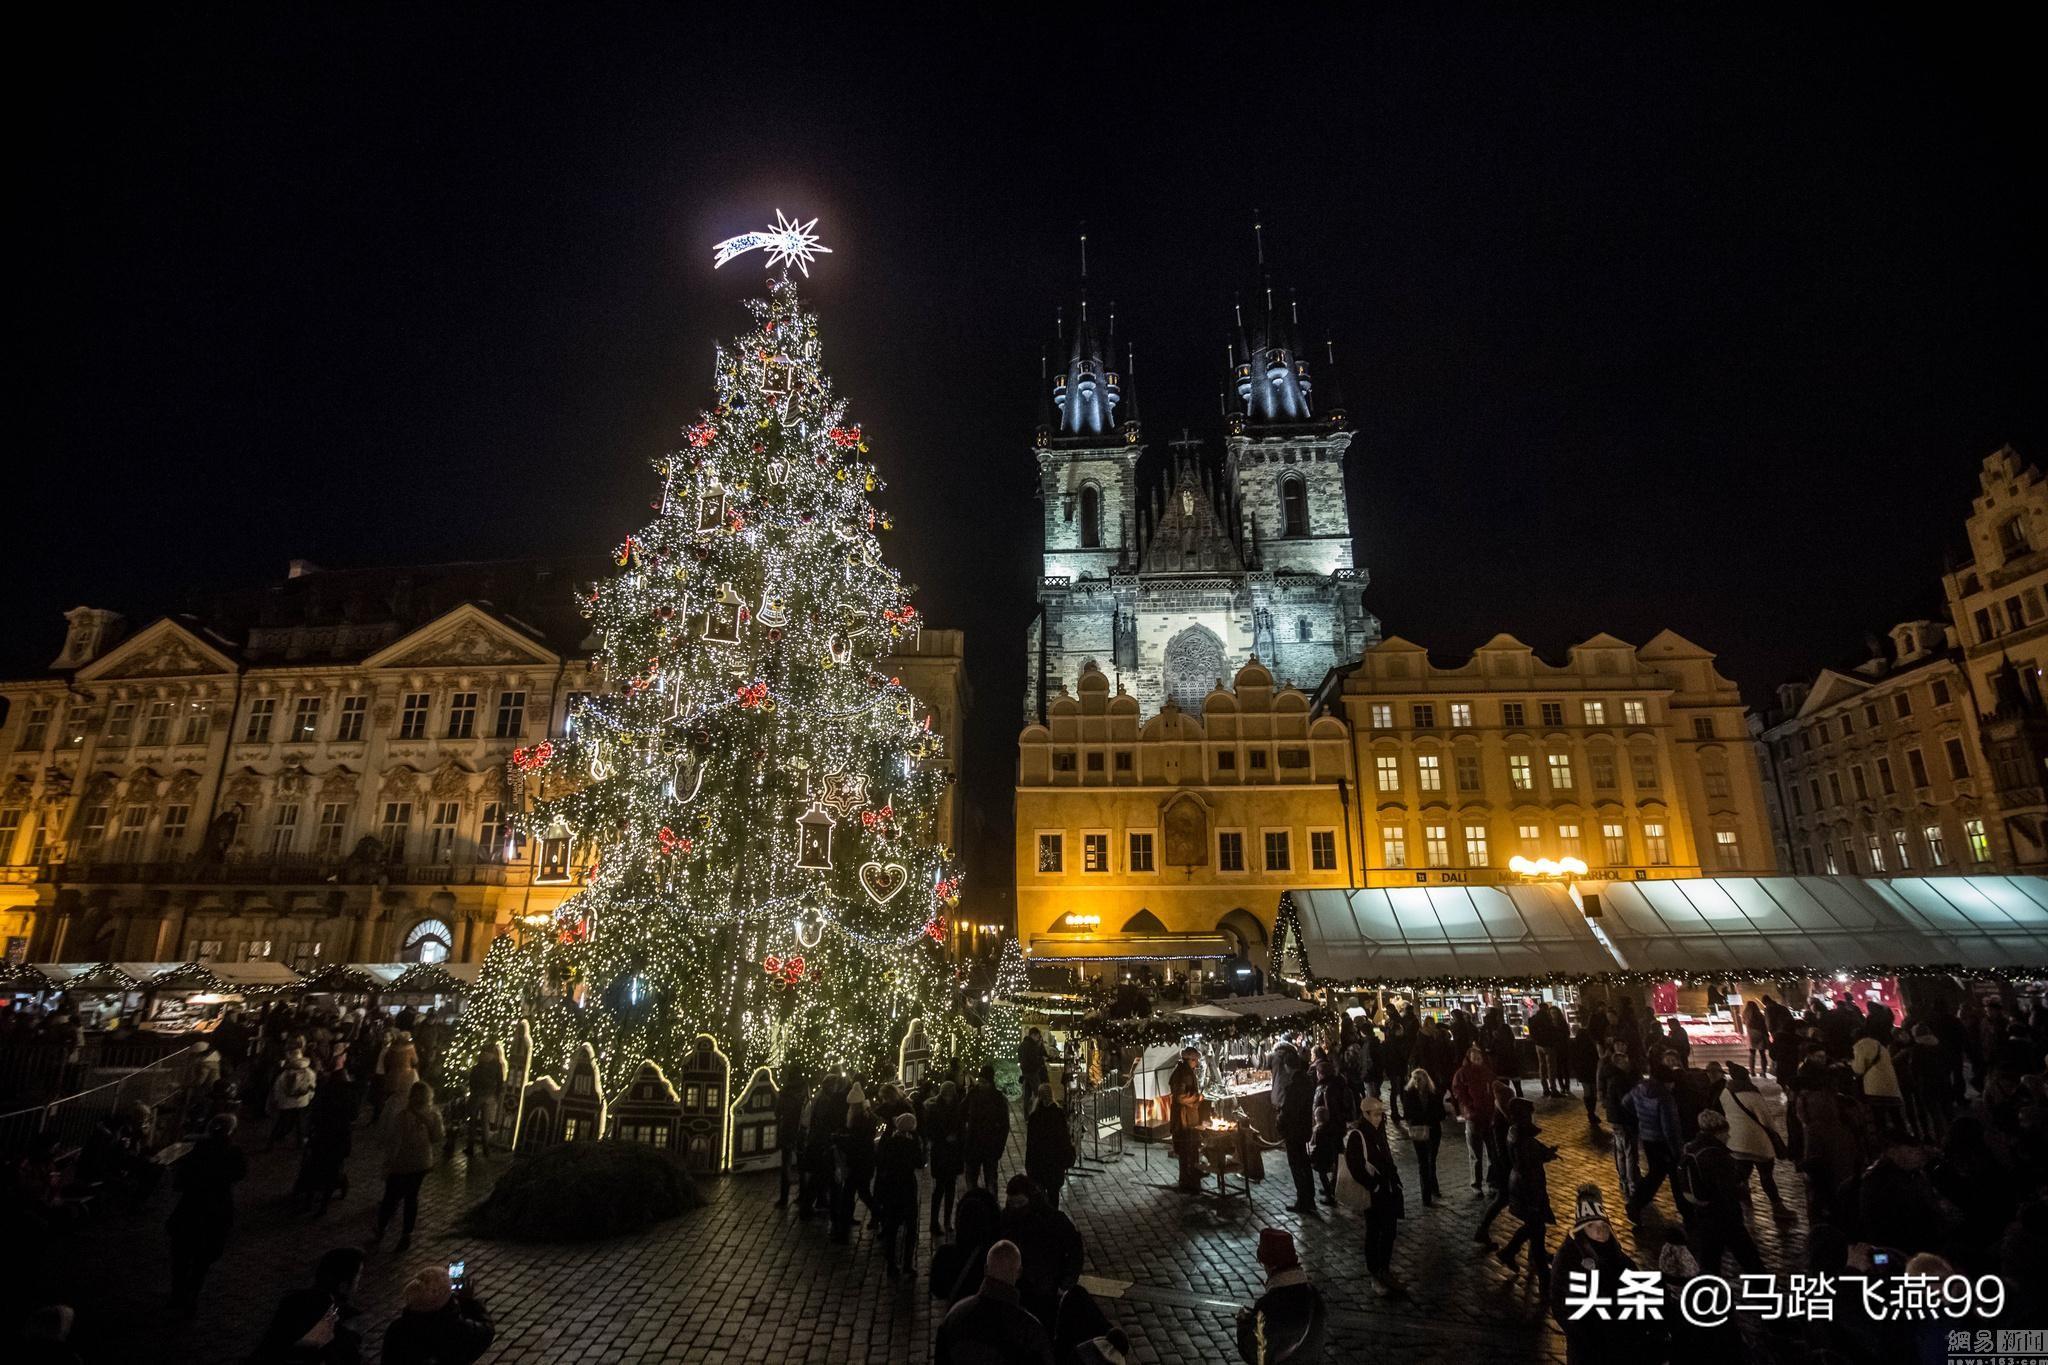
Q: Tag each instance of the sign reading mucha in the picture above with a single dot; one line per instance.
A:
(1187, 833)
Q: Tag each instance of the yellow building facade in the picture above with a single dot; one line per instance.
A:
(1167, 840)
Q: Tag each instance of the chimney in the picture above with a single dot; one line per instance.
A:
(88, 633)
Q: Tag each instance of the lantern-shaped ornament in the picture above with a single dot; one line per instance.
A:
(842, 649)
(557, 849)
(814, 839)
(710, 508)
(722, 617)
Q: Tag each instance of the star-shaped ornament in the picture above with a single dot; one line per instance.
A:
(842, 792)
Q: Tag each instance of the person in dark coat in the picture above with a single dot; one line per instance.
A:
(313, 1324)
(942, 1127)
(956, 1266)
(1657, 1127)
(1185, 1108)
(854, 1156)
(1294, 1104)
(991, 1326)
(898, 1158)
(821, 1148)
(1287, 1322)
(1584, 1053)
(1433, 1053)
(1369, 1155)
(789, 1135)
(1497, 1039)
(330, 1136)
(1396, 1049)
(1588, 1268)
(988, 1130)
(1325, 1150)
(1711, 1196)
(1051, 1247)
(205, 1179)
(1048, 1145)
(1425, 1109)
(440, 1325)
(1031, 1062)
(1528, 1190)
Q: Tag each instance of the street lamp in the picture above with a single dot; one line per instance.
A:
(1547, 869)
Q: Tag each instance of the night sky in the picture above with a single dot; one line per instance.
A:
(1687, 320)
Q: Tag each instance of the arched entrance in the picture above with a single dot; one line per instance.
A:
(431, 940)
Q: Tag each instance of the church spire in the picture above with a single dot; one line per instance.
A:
(1088, 389)
(1268, 371)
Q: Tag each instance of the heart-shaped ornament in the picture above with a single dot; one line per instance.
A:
(882, 882)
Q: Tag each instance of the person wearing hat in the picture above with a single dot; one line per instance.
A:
(1369, 1156)
(898, 1158)
(440, 1324)
(1185, 1117)
(290, 1095)
(1711, 1198)
(1588, 1267)
(1287, 1322)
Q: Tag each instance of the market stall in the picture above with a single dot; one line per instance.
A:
(192, 997)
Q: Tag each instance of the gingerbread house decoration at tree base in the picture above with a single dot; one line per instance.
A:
(755, 1136)
(540, 1115)
(704, 1134)
(648, 1111)
(581, 1107)
(913, 1057)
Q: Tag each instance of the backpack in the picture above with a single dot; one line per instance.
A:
(1687, 1181)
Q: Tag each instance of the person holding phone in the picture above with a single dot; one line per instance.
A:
(313, 1324)
(442, 1323)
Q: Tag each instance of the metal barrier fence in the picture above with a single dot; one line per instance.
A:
(1098, 1118)
(69, 1121)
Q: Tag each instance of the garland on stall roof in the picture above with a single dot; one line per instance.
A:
(1126, 1034)
(1492, 984)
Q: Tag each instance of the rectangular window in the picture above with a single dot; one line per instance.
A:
(1123, 760)
(1860, 782)
(1635, 712)
(10, 830)
(1916, 765)
(1095, 762)
(1798, 805)
(1813, 785)
(306, 719)
(1230, 851)
(412, 716)
(198, 723)
(1141, 851)
(1322, 850)
(1958, 762)
(462, 715)
(128, 843)
(1902, 705)
(1511, 714)
(1476, 852)
(1279, 851)
(1553, 712)
(490, 834)
(1226, 761)
(1870, 717)
(1655, 843)
(1095, 852)
(93, 830)
(35, 729)
(1063, 763)
(1294, 758)
(1461, 715)
(1900, 847)
(1257, 758)
(1820, 732)
(206, 950)
(1727, 848)
(284, 827)
(1848, 725)
(1702, 727)
(156, 723)
(262, 712)
(305, 956)
(1940, 689)
(1388, 769)
(1595, 712)
(1614, 843)
(1834, 868)
(1835, 787)
(395, 829)
(173, 833)
(1643, 771)
(1560, 772)
(1876, 848)
(1806, 858)
(1884, 777)
(332, 829)
(1937, 847)
(1468, 772)
(1521, 773)
(442, 832)
(1393, 847)
(511, 715)
(1603, 771)
(1424, 714)
(1716, 782)
(1429, 773)
(1980, 846)
(121, 722)
(1531, 837)
(1052, 853)
(1436, 845)
(354, 712)
(1382, 715)
(1568, 842)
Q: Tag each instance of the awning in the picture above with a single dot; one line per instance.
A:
(1761, 926)
(260, 974)
(1987, 923)
(1395, 935)
(1129, 947)
(111, 977)
(1249, 1006)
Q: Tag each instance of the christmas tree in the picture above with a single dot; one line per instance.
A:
(748, 803)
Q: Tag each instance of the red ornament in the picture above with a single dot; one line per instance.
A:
(533, 756)
(701, 434)
(846, 438)
(937, 929)
(753, 695)
(626, 551)
(671, 842)
(772, 965)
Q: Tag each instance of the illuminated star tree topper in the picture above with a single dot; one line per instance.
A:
(788, 242)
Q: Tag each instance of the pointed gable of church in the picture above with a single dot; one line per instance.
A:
(1191, 534)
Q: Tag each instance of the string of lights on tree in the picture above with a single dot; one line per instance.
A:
(750, 800)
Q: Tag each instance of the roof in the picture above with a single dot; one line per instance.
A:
(1700, 925)
(1418, 933)
(1129, 947)
(1256, 1006)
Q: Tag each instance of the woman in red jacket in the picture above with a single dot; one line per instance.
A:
(1472, 1099)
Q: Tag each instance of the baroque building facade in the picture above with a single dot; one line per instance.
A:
(1932, 755)
(1169, 575)
(316, 772)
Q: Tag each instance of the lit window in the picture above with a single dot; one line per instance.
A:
(1436, 845)
(1980, 846)
(1382, 715)
(1532, 840)
(1429, 773)
(1322, 850)
(1279, 851)
(1829, 851)
(428, 941)
(1596, 712)
(1461, 715)
(1521, 773)
(1937, 847)
(1875, 844)
(1387, 767)
(1901, 848)
(1634, 712)
(1727, 848)
(1230, 851)
(1614, 842)
(306, 718)
(1568, 841)
(1095, 853)
(1393, 847)
(1052, 853)
(1560, 772)
(1141, 851)
(1654, 842)
(1476, 853)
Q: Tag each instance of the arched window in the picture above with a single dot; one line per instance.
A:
(1303, 630)
(1293, 507)
(1091, 516)
(2012, 537)
(428, 941)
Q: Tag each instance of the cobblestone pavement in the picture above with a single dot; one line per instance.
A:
(741, 1281)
